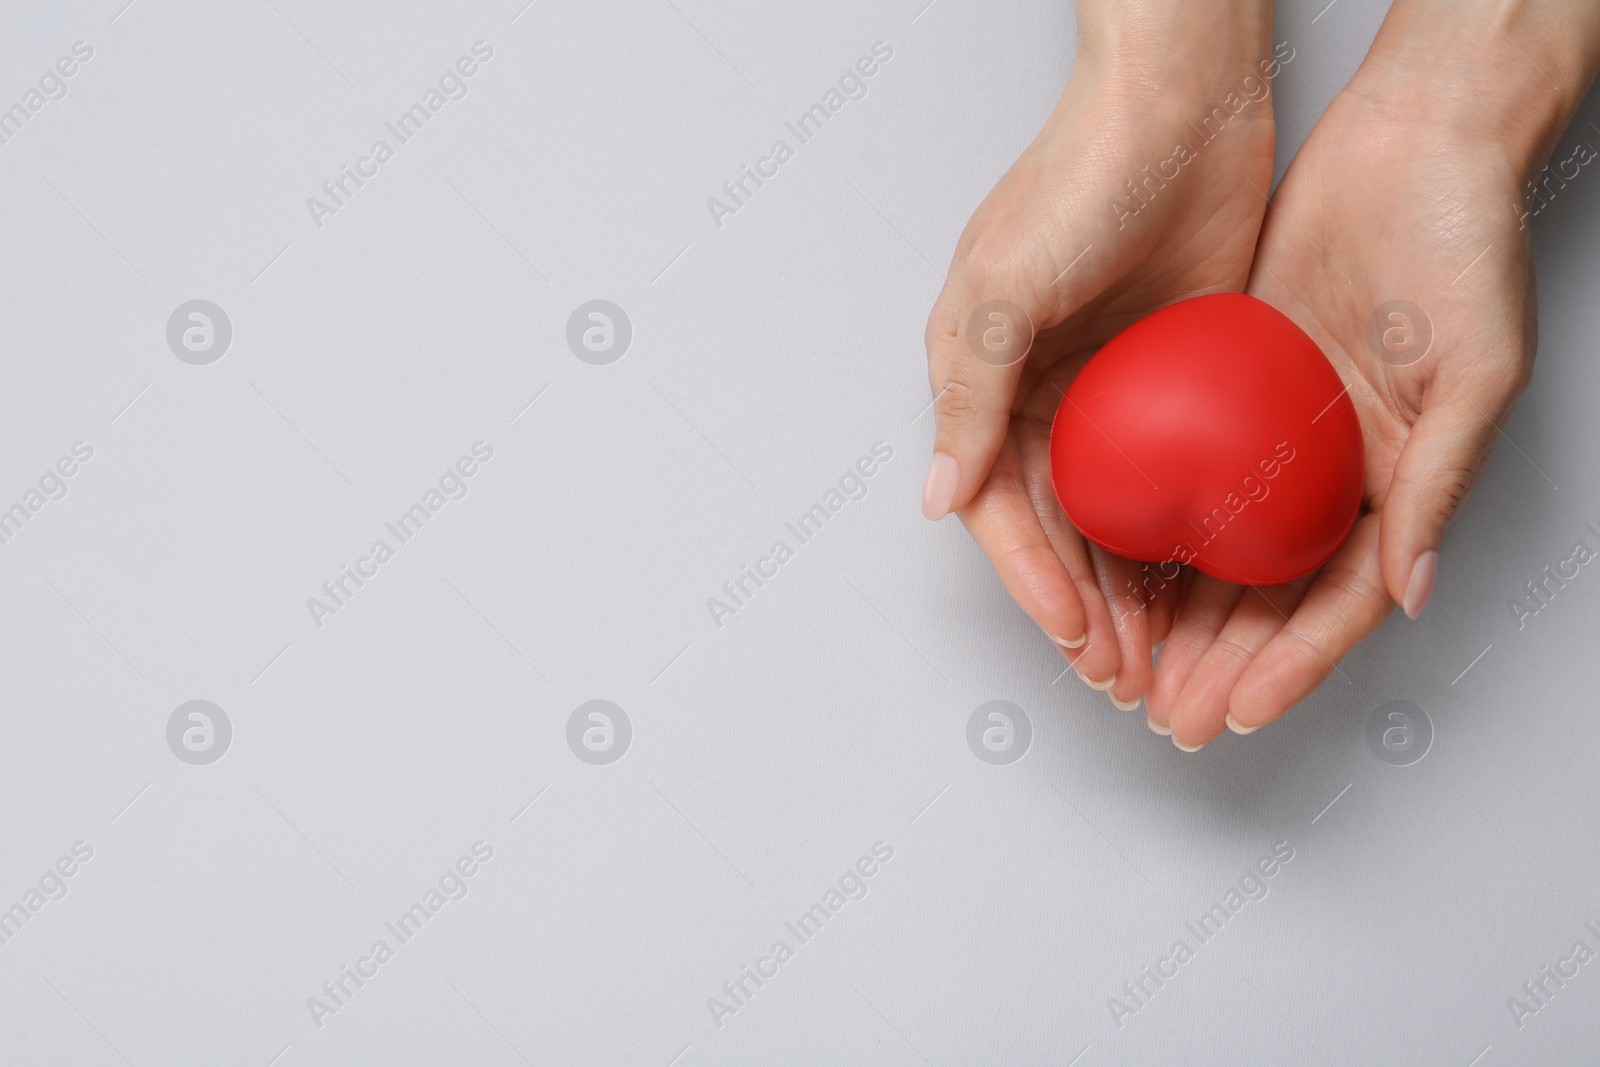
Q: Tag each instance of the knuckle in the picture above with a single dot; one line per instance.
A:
(1230, 649)
(1447, 505)
(1029, 568)
(1041, 490)
(959, 401)
(990, 267)
(998, 502)
(1353, 587)
(1440, 495)
(1203, 629)
(1089, 591)
(940, 328)
(1125, 599)
(1311, 649)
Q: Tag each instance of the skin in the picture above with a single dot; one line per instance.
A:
(1026, 244)
(1408, 188)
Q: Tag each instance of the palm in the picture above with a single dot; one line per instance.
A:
(1053, 212)
(1372, 212)
(1438, 233)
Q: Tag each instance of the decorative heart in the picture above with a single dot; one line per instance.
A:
(1213, 432)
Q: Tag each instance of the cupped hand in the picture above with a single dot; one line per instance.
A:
(1104, 219)
(1396, 242)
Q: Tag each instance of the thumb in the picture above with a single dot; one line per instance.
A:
(985, 348)
(1438, 466)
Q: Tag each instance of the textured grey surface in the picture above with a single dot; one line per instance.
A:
(769, 755)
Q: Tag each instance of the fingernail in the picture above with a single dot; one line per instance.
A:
(939, 489)
(1236, 728)
(1064, 643)
(1420, 588)
(1157, 728)
(1189, 748)
(1126, 705)
(1102, 686)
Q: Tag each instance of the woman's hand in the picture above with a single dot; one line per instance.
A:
(1147, 185)
(1397, 240)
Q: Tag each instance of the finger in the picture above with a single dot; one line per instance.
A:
(1201, 710)
(940, 334)
(1121, 582)
(1166, 583)
(1004, 522)
(1013, 284)
(1201, 615)
(1096, 657)
(1345, 603)
(1438, 466)
(984, 348)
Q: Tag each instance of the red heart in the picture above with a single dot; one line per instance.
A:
(1213, 432)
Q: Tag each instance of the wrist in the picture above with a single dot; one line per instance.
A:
(1176, 51)
(1505, 74)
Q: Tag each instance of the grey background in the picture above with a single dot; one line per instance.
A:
(767, 755)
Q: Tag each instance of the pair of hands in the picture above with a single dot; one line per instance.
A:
(1407, 189)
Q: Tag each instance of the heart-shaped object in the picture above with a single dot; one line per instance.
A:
(1213, 432)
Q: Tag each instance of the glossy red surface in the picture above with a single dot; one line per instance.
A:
(1216, 433)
